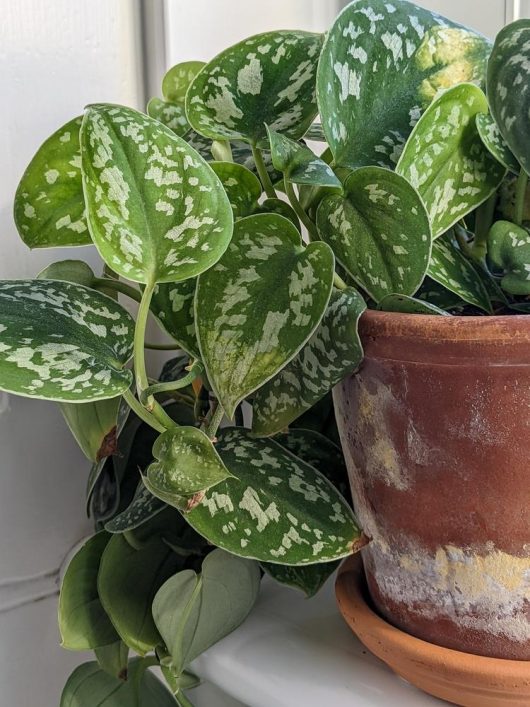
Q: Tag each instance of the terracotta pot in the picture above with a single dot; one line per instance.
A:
(461, 678)
(435, 430)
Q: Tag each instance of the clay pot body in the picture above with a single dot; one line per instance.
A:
(435, 428)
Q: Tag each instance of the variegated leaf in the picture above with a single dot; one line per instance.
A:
(69, 270)
(308, 580)
(454, 271)
(331, 353)
(508, 76)
(509, 252)
(170, 109)
(434, 293)
(278, 509)
(172, 115)
(491, 137)
(49, 203)
(268, 78)
(173, 305)
(61, 341)
(156, 210)
(186, 463)
(299, 164)
(381, 65)
(242, 186)
(446, 161)
(259, 305)
(142, 508)
(408, 305)
(379, 231)
(280, 207)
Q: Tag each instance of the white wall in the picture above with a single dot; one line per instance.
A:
(55, 57)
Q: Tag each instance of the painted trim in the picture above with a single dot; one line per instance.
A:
(512, 10)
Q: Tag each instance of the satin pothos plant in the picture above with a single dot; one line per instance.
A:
(255, 236)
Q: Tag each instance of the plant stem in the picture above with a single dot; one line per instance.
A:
(304, 218)
(460, 235)
(520, 193)
(339, 282)
(213, 421)
(262, 172)
(182, 700)
(161, 347)
(483, 220)
(142, 382)
(142, 413)
(195, 371)
(105, 283)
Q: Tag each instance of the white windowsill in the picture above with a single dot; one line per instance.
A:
(293, 651)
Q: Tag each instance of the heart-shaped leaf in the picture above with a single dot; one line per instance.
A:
(187, 463)
(491, 137)
(83, 623)
(508, 75)
(113, 659)
(509, 252)
(171, 109)
(173, 305)
(128, 581)
(454, 271)
(69, 270)
(278, 509)
(192, 612)
(436, 294)
(379, 231)
(156, 210)
(89, 685)
(49, 204)
(409, 305)
(61, 341)
(242, 186)
(381, 65)
(268, 78)
(446, 161)
(299, 164)
(142, 508)
(308, 580)
(280, 207)
(259, 305)
(333, 352)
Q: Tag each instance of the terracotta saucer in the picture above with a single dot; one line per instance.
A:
(461, 678)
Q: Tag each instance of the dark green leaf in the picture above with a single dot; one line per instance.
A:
(143, 507)
(333, 352)
(61, 341)
(446, 161)
(308, 580)
(83, 623)
(280, 207)
(49, 203)
(89, 686)
(259, 305)
(156, 210)
(436, 294)
(172, 304)
(299, 164)
(509, 252)
(127, 583)
(93, 426)
(242, 186)
(508, 75)
(491, 137)
(113, 659)
(381, 66)
(76, 271)
(409, 305)
(278, 509)
(268, 78)
(171, 109)
(379, 232)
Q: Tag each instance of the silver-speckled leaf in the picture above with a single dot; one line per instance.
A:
(186, 463)
(170, 109)
(242, 186)
(446, 161)
(381, 65)
(379, 231)
(454, 271)
(49, 204)
(259, 305)
(172, 115)
(299, 164)
(491, 137)
(332, 353)
(308, 580)
(143, 507)
(278, 509)
(280, 207)
(61, 341)
(408, 305)
(268, 78)
(173, 305)
(508, 77)
(156, 211)
(509, 252)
